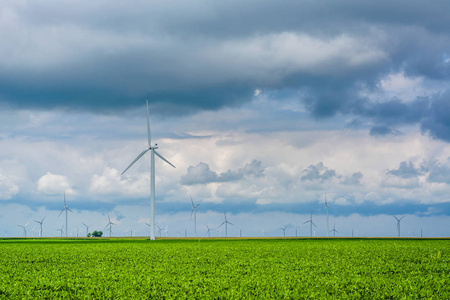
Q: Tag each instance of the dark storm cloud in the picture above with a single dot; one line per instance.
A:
(186, 57)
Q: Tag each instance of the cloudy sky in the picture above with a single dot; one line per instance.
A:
(266, 110)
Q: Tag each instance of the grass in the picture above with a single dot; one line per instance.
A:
(224, 269)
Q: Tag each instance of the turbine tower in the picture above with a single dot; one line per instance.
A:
(226, 224)
(194, 212)
(398, 224)
(311, 223)
(40, 223)
(152, 150)
(110, 224)
(284, 230)
(326, 207)
(66, 208)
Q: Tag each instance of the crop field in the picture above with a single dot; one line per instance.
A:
(224, 269)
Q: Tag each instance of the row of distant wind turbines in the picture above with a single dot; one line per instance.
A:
(152, 224)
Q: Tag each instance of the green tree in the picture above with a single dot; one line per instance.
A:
(97, 233)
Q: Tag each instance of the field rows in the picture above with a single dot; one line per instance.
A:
(225, 269)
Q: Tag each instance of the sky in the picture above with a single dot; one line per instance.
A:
(267, 110)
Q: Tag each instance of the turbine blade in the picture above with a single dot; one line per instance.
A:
(69, 210)
(149, 133)
(160, 156)
(61, 212)
(221, 224)
(192, 212)
(305, 222)
(230, 223)
(136, 159)
(192, 201)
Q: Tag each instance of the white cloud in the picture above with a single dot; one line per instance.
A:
(8, 188)
(54, 184)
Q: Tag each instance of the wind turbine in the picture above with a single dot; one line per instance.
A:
(284, 230)
(194, 212)
(40, 223)
(226, 224)
(311, 224)
(159, 230)
(110, 224)
(334, 230)
(208, 232)
(326, 207)
(398, 224)
(66, 208)
(87, 228)
(61, 230)
(24, 229)
(152, 150)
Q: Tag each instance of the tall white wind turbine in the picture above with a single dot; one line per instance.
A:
(398, 224)
(194, 212)
(311, 223)
(152, 150)
(226, 224)
(40, 223)
(66, 208)
(326, 207)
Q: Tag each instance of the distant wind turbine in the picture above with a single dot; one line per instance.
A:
(326, 207)
(284, 230)
(398, 224)
(226, 224)
(24, 229)
(208, 232)
(66, 208)
(159, 230)
(40, 223)
(61, 230)
(87, 228)
(334, 230)
(194, 212)
(110, 224)
(311, 223)
(152, 150)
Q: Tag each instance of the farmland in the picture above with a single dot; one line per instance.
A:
(224, 269)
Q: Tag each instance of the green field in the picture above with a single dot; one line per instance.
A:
(224, 269)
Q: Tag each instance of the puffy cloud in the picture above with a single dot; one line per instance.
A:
(111, 183)
(405, 170)
(201, 174)
(8, 188)
(54, 184)
(354, 179)
(318, 173)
